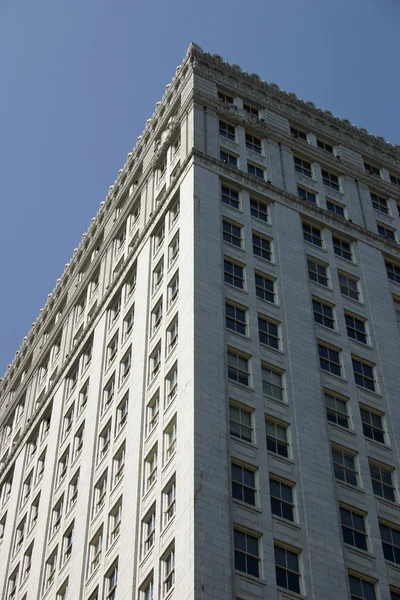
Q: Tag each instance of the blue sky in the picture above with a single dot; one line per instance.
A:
(79, 78)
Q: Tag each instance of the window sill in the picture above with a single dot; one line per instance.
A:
(341, 428)
(369, 392)
(360, 552)
(241, 336)
(388, 503)
(349, 486)
(320, 248)
(279, 457)
(358, 303)
(289, 594)
(168, 526)
(346, 260)
(286, 522)
(360, 344)
(253, 509)
(234, 287)
(241, 386)
(239, 248)
(250, 578)
(335, 377)
(272, 349)
(327, 329)
(261, 222)
(393, 565)
(320, 285)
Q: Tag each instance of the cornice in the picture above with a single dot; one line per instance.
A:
(254, 83)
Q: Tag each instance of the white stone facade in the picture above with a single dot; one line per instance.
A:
(208, 405)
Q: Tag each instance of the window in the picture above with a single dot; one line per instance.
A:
(363, 373)
(386, 232)
(247, 554)
(349, 286)
(115, 309)
(108, 393)
(100, 491)
(253, 111)
(3, 526)
(230, 196)
(254, 170)
(268, 332)
(336, 409)
(306, 194)
(361, 589)
(62, 592)
(225, 97)
(155, 362)
(12, 584)
(353, 528)
(323, 314)
(317, 272)
(380, 204)
(382, 481)
(233, 273)
(34, 512)
(312, 235)
(344, 465)
(173, 249)
(171, 384)
(148, 590)
(298, 133)
(83, 396)
(238, 368)
(324, 146)
(356, 328)
(125, 366)
(50, 570)
(227, 131)
(119, 464)
(282, 504)
(149, 530)
(105, 440)
(261, 246)
(228, 157)
(158, 275)
(151, 468)
(174, 212)
(342, 248)
(394, 179)
(253, 143)
(169, 501)
(329, 359)
(156, 315)
(272, 382)
(235, 318)
(62, 466)
(259, 210)
(335, 207)
(153, 409)
(371, 169)
(122, 412)
(67, 543)
(393, 272)
(78, 440)
(287, 569)
(115, 521)
(390, 536)
(232, 233)
(240, 420)
(170, 440)
(173, 289)
(20, 534)
(73, 490)
(243, 484)
(128, 322)
(277, 438)
(302, 166)
(265, 287)
(27, 562)
(68, 420)
(330, 180)
(111, 583)
(394, 594)
(159, 238)
(71, 380)
(169, 571)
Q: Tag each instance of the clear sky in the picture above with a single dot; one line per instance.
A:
(79, 78)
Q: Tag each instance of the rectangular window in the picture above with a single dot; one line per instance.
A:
(261, 246)
(100, 492)
(306, 194)
(67, 543)
(119, 464)
(353, 528)
(243, 484)
(227, 130)
(272, 382)
(253, 143)
(324, 146)
(169, 495)
(312, 235)
(317, 272)
(386, 232)
(112, 349)
(232, 233)
(171, 384)
(156, 315)
(228, 157)
(230, 196)
(151, 468)
(247, 554)
(395, 594)
(265, 288)
(240, 422)
(149, 531)
(223, 97)
(158, 275)
(268, 332)
(169, 571)
(297, 133)
(382, 481)
(390, 536)
(282, 504)
(111, 583)
(108, 393)
(104, 441)
(323, 314)
(371, 169)
(153, 410)
(363, 373)
(129, 320)
(330, 180)
(125, 366)
(335, 207)
(172, 334)
(235, 318)
(361, 589)
(252, 110)
(259, 209)
(238, 368)
(277, 438)
(356, 328)
(287, 569)
(393, 272)
(255, 170)
(233, 273)
(173, 249)
(342, 248)
(302, 166)
(155, 361)
(394, 179)
(344, 465)
(380, 204)
(349, 286)
(95, 548)
(329, 359)
(336, 409)
(170, 440)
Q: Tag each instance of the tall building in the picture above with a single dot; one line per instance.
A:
(254, 454)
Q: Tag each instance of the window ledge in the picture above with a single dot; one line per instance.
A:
(369, 392)
(167, 527)
(272, 349)
(360, 344)
(341, 428)
(348, 486)
(251, 578)
(284, 459)
(249, 507)
(328, 329)
(393, 565)
(336, 377)
(388, 503)
(379, 445)
(320, 248)
(289, 594)
(358, 303)
(360, 552)
(320, 285)
(287, 522)
(244, 443)
(241, 386)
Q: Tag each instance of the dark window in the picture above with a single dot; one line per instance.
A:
(307, 195)
(348, 286)
(253, 143)
(250, 109)
(336, 410)
(394, 179)
(235, 318)
(356, 328)
(258, 209)
(379, 204)
(317, 272)
(393, 272)
(386, 232)
(324, 146)
(240, 423)
(302, 166)
(361, 589)
(282, 503)
(371, 169)
(353, 528)
(363, 374)
(390, 536)
(247, 556)
(261, 246)
(312, 235)
(342, 248)
(323, 314)
(272, 383)
(382, 481)
(329, 360)
(228, 158)
(287, 569)
(243, 484)
(232, 233)
(265, 288)
(335, 208)
(238, 368)
(298, 133)
(276, 434)
(226, 130)
(372, 425)
(233, 274)
(344, 466)
(225, 97)
(330, 180)
(230, 196)
(268, 333)
(254, 170)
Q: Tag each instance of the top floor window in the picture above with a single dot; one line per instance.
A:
(223, 97)
(298, 133)
(371, 169)
(330, 180)
(250, 109)
(325, 146)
